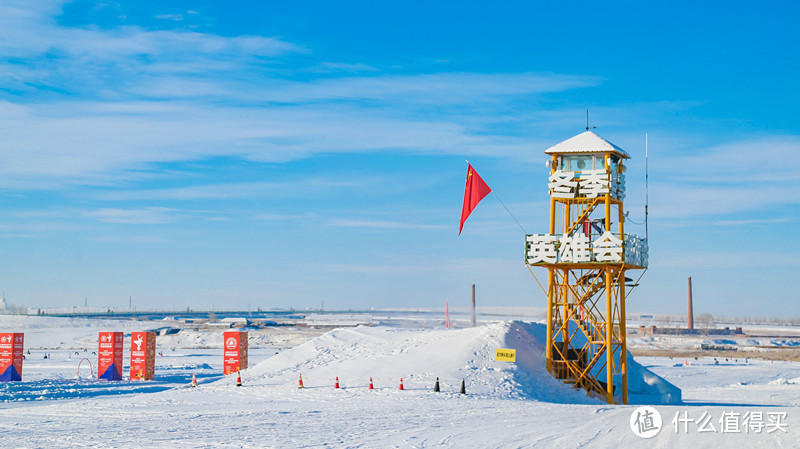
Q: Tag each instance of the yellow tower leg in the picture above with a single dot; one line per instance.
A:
(623, 338)
(623, 361)
(549, 340)
(609, 347)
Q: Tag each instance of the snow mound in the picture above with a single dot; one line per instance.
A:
(782, 381)
(419, 356)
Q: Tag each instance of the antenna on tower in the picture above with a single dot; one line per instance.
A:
(646, 190)
(587, 120)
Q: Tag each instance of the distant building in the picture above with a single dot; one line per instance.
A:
(3, 303)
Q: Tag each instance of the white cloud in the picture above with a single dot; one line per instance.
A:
(287, 188)
(174, 17)
(285, 217)
(29, 29)
(754, 221)
(344, 67)
(766, 160)
(59, 141)
(381, 224)
(147, 215)
(436, 88)
(114, 128)
(43, 143)
(723, 259)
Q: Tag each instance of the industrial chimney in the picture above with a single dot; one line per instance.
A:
(473, 305)
(691, 312)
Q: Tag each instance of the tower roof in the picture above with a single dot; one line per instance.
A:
(586, 142)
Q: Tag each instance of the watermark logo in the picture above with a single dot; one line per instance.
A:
(645, 422)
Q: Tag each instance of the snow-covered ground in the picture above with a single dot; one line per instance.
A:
(507, 405)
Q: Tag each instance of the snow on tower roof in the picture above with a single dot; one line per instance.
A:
(587, 142)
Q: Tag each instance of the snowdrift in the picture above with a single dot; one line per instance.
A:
(419, 356)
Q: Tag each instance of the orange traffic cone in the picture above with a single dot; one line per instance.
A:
(336, 385)
(194, 381)
(401, 384)
(370, 384)
(300, 384)
(238, 379)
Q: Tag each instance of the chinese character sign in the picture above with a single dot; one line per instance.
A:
(575, 248)
(541, 248)
(562, 184)
(143, 355)
(11, 347)
(607, 248)
(590, 184)
(594, 183)
(109, 356)
(235, 351)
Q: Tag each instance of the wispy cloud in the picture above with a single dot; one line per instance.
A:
(49, 144)
(30, 29)
(128, 239)
(174, 17)
(91, 105)
(161, 96)
(765, 160)
(286, 188)
(435, 88)
(724, 259)
(754, 221)
(381, 224)
(274, 217)
(333, 67)
(147, 215)
(748, 175)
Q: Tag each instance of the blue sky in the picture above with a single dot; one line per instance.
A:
(279, 155)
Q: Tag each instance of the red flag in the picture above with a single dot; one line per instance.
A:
(474, 192)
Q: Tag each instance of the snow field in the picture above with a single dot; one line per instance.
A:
(508, 404)
(387, 354)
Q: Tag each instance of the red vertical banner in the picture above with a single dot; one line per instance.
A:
(143, 355)
(109, 356)
(235, 351)
(11, 347)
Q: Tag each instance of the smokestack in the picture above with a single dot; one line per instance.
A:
(473, 305)
(691, 312)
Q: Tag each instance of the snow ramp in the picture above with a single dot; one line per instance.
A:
(419, 356)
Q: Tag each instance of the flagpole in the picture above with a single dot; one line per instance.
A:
(646, 191)
(509, 212)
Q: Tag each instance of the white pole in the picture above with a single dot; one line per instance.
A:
(646, 187)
